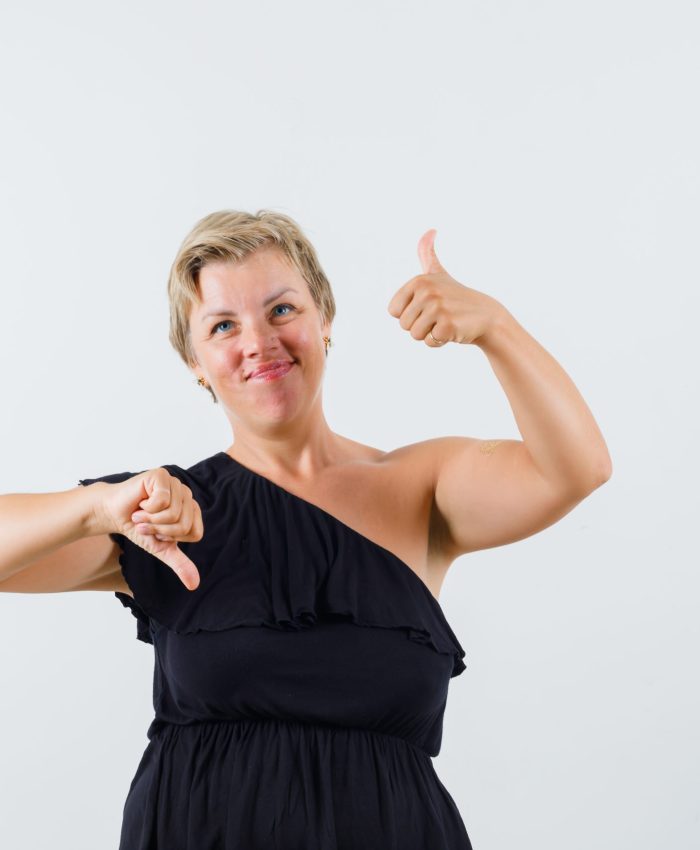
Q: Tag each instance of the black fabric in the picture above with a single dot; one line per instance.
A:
(299, 692)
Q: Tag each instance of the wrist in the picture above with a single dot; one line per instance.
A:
(497, 326)
(94, 518)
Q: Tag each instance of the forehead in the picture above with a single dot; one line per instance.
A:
(252, 276)
(231, 288)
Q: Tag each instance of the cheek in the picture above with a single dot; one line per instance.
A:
(223, 362)
(307, 339)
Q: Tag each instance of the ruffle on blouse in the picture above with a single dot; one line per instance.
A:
(270, 558)
(143, 625)
(143, 622)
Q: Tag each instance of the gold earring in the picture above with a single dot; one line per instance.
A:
(202, 382)
(327, 342)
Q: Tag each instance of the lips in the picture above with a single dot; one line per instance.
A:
(276, 367)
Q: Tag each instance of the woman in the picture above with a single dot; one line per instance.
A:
(302, 656)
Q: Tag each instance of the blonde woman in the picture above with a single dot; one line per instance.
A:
(289, 583)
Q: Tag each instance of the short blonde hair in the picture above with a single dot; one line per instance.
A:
(233, 235)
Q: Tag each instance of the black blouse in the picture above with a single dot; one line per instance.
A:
(299, 691)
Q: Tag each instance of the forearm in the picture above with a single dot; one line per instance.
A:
(554, 421)
(34, 524)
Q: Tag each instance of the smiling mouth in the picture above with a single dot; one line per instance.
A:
(278, 371)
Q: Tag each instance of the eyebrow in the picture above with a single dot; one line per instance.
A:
(224, 312)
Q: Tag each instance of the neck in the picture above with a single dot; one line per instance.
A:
(298, 451)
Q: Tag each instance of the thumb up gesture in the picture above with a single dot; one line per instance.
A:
(155, 511)
(436, 308)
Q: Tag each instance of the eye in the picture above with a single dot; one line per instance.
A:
(283, 305)
(225, 321)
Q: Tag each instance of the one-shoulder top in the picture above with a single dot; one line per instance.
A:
(298, 692)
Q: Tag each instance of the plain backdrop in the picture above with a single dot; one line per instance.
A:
(554, 146)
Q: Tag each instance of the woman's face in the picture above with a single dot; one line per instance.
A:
(249, 314)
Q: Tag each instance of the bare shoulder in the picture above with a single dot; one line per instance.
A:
(421, 453)
(435, 450)
(490, 493)
(410, 469)
(426, 466)
(412, 472)
(422, 461)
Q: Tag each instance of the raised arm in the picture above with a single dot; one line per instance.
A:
(491, 492)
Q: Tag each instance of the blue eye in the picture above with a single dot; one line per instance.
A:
(283, 305)
(218, 324)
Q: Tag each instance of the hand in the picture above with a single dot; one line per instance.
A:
(434, 302)
(171, 514)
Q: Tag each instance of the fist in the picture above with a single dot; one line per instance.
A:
(436, 308)
(155, 510)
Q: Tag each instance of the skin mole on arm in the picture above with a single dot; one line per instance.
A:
(489, 446)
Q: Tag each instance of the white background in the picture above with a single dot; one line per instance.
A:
(554, 146)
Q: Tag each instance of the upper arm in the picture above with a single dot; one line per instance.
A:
(489, 492)
(90, 563)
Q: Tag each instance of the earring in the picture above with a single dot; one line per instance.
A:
(202, 382)
(327, 342)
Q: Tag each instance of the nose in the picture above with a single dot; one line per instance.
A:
(256, 337)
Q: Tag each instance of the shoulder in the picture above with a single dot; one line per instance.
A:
(413, 471)
(418, 463)
(418, 452)
(426, 457)
(408, 475)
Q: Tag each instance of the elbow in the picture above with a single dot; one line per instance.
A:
(605, 471)
(603, 474)
(596, 477)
